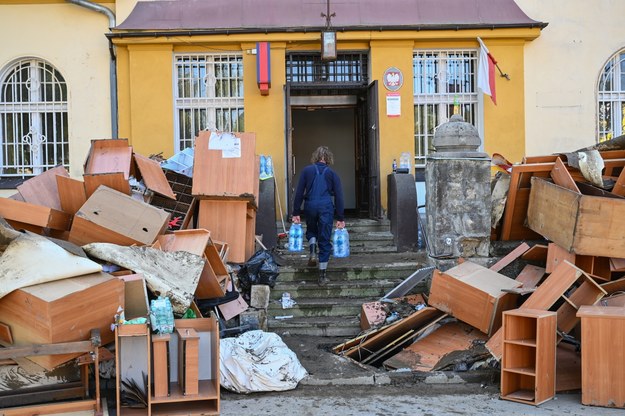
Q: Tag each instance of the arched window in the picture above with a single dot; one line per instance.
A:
(611, 98)
(33, 119)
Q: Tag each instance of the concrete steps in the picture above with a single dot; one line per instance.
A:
(372, 270)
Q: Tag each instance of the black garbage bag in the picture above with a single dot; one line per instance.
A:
(260, 269)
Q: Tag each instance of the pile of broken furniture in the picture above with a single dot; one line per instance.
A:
(556, 322)
(82, 259)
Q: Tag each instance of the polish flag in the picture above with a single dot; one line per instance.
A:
(486, 72)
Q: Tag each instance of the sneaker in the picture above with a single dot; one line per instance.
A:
(323, 278)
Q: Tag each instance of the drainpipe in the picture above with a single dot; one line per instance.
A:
(113, 72)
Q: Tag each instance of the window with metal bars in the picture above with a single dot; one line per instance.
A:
(306, 69)
(445, 83)
(33, 119)
(611, 98)
(208, 94)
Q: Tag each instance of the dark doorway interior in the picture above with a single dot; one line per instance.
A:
(332, 127)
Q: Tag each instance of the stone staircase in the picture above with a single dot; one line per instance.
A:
(373, 268)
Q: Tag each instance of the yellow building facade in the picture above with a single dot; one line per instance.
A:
(147, 103)
(366, 122)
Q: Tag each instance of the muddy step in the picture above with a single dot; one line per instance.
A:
(346, 274)
(339, 326)
(319, 307)
(335, 288)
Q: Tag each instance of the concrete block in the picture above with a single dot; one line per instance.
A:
(259, 297)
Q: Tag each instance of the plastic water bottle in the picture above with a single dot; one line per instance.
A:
(299, 241)
(269, 166)
(340, 243)
(263, 166)
(295, 237)
(394, 165)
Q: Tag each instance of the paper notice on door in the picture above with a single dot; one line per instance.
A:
(393, 104)
(221, 141)
(234, 151)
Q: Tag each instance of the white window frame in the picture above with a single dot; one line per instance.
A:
(434, 104)
(33, 118)
(611, 98)
(208, 95)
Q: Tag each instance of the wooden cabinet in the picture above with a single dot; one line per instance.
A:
(528, 362)
(603, 355)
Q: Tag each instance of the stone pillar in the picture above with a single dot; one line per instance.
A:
(458, 202)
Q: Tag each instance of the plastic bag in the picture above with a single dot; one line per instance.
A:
(162, 315)
(340, 243)
(260, 269)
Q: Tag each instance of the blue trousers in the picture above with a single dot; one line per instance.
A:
(319, 219)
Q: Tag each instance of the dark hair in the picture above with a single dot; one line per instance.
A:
(322, 153)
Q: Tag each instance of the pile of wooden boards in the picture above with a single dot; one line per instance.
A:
(89, 247)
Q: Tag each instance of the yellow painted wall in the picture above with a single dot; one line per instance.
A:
(146, 97)
(49, 32)
(150, 99)
(396, 134)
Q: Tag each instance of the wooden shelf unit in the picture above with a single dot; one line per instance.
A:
(206, 401)
(528, 362)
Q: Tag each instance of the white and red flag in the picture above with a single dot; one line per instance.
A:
(486, 72)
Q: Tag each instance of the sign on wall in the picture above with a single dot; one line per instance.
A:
(393, 79)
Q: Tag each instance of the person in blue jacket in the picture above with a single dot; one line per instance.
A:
(320, 189)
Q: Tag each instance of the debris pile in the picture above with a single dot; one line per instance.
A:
(91, 254)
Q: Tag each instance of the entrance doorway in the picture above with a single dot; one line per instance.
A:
(332, 127)
(347, 124)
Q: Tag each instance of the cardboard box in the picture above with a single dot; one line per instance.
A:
(582, 224)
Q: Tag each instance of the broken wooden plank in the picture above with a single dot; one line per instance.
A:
(556, 255)
(153, 176)
(587, 294)
(378, 340)
(72, 194)
(42, 189)
(614, 286)
(538, 252)
(114, 180)
(39, 216)
(510, 257)
(426, 353)
(513, 227)
(562, 177)
(530, 276)
(6, 338)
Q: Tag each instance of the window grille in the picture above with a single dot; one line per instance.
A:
(611, 99)
(33, 119)
(306, 69)
(445, 82)
(208, 94)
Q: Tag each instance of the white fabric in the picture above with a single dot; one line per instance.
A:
(483, 80)
(258, 361)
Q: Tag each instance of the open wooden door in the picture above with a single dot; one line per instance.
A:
(372, 140)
